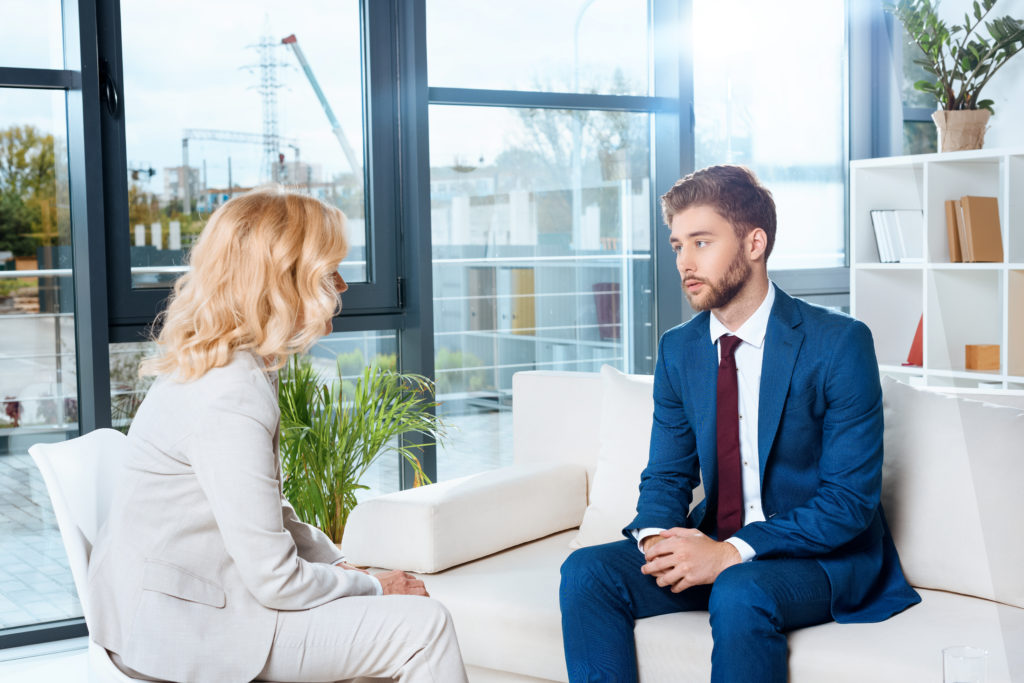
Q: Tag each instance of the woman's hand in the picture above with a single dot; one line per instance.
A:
(397, 582)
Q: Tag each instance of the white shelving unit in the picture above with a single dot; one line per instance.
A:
(962, 303)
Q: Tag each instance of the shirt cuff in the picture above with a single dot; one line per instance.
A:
(378, 589)
(641, 534)
(746, 552)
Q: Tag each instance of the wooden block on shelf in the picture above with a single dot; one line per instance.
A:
(981, 356)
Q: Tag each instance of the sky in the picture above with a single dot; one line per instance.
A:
(187, 64)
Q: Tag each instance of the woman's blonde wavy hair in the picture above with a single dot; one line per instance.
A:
(261, 281)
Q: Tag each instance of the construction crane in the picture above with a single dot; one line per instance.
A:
(350, 155)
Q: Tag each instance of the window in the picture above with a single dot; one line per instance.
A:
(764, 102)
(258, 93)
(38, 369)
(541, 216)
(919, 136)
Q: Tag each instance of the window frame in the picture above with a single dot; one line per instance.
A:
(672, 96)
(81, 87)
(374, 304)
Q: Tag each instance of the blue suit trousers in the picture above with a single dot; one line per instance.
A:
(752, 606)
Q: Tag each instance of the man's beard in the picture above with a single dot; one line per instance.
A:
(720, 293)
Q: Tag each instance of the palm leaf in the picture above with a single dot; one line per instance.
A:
(333, 432)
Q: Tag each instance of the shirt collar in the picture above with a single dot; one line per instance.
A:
(753, 330)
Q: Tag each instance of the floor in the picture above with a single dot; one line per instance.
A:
(65, 661)
(35, 582)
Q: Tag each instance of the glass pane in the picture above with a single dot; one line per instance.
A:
(913, 73)
(591, 46)
(243, 105)
(31, 34)
(127, 389)
(919, 137)
(541, 226)
(351, 352)
(38, 387)
(761, 102)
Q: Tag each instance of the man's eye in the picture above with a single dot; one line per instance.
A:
(701, 244)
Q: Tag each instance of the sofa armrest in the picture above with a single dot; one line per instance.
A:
(431, 528)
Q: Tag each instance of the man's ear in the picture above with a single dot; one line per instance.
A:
(757, 243)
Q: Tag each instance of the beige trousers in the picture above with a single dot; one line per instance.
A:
(404, 638)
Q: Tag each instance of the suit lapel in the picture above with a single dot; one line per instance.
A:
(782, 346)
(701, 390)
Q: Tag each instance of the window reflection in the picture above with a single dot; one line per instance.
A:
(792, 136)
(259, 92)
(38, 372)
(542, 255)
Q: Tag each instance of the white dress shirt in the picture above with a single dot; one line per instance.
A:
(749, 356)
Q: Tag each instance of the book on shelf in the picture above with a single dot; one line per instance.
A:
(982, 239)
(953, 231)
(899, 235)
(961, 229)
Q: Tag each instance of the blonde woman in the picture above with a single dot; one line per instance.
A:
(203, 572)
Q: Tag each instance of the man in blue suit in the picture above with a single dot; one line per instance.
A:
(774, 404)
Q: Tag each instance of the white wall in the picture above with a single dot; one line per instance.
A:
(1006, 128)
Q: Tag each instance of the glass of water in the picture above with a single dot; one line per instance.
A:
(964, 664)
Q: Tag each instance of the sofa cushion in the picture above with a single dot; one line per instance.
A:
(907, 647)
(952, 474)
(431, 528)
(505, 608)
(627, 408)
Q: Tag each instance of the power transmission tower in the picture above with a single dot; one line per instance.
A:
(268, 87)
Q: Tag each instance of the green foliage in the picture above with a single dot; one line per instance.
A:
(28, 190)
(961, 60)
(465, 379)
(330, 438)
(9, 286)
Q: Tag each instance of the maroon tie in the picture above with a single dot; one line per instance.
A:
(730, 484)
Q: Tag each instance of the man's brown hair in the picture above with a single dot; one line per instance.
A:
(733, 191)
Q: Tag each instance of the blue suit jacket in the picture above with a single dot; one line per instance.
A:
(820, 447)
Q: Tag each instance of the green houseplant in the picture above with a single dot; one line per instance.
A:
(961, 62)
(332, 432)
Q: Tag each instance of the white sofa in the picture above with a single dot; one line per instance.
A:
(490, 545)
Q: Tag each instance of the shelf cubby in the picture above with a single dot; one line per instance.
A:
(1012, 214)
(953, 180)
(962, 303)
(964, 307)
(888, 301)
(896, 187)
(1015, 324)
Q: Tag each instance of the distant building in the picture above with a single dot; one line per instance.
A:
(174, 184)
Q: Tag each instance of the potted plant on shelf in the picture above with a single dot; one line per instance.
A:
(331, 433)
(962, 62)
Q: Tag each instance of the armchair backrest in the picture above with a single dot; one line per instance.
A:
(81, 476)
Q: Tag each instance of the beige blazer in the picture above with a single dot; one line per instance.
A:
(201, 550)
